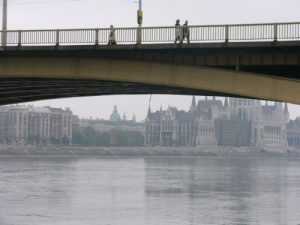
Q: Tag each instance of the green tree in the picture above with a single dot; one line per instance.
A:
(90, 137)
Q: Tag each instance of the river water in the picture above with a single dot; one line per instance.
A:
(159, 191)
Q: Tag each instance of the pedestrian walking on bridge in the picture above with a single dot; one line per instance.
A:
(178, 32)
(186, 32)
(112, 36)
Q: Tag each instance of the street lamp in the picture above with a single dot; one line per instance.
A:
(4, 23)
(140, 22)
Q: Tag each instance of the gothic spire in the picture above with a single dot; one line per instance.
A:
(226, 103)
(280, 106)
(193, 106)
(134, 118)
(149, 111)
(286, 109)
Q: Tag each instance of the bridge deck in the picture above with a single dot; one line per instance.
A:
(154, 46)
(45, 64)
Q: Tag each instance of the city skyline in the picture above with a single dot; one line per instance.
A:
(156, 103)
(51, 14)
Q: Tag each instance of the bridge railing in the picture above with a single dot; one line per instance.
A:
(288, 31)
(251, 32)
(153, 35)
(197, 34)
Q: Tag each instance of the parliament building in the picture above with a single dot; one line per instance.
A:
(211, 124)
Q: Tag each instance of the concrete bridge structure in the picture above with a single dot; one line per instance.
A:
(247, 60)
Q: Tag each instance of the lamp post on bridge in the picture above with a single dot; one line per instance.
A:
(140, 22)
(4, 23)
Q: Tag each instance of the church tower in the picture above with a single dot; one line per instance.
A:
(227, 109)
(286, 113)
(133, 118)
(124, 117)
(193, 105)
(115, 116)
(149, 112)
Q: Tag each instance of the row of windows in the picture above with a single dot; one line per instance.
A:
(272, 142)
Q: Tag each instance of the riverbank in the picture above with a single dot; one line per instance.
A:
(137, 151)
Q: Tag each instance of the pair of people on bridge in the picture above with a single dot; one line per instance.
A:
(182, 32)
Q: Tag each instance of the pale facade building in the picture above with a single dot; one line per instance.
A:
(210, 123)
(38, 125)
(179, 128)
(248, 110)
(275, 119)
(61, 125)
(206, 134)
(34, 125)
(18, 120)
(293, 133)
(4, 124)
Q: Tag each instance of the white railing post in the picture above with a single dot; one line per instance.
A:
(96, 36)
(226, 33)
(275, 32)
(57, 37)
(19, 38)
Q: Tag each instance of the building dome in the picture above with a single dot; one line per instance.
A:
(115, 116)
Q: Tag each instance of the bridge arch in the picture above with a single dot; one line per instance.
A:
(143, 74)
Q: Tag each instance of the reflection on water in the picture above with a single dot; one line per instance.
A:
(120, 191)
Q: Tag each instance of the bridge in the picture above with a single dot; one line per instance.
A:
(243, 60)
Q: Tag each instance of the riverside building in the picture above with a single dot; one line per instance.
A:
(293, 133)
(35, 125)
(210, 124)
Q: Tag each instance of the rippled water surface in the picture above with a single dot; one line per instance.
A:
(137, 191)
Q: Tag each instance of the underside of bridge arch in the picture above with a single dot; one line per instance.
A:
(36, 78)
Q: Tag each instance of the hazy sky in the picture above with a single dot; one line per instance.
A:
(41, 14)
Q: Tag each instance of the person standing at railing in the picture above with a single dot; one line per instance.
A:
(178, 32)
(186, 32)
(112, 36)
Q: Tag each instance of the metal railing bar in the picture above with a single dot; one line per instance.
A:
(166, 34)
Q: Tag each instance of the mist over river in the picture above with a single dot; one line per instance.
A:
(152, 190)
